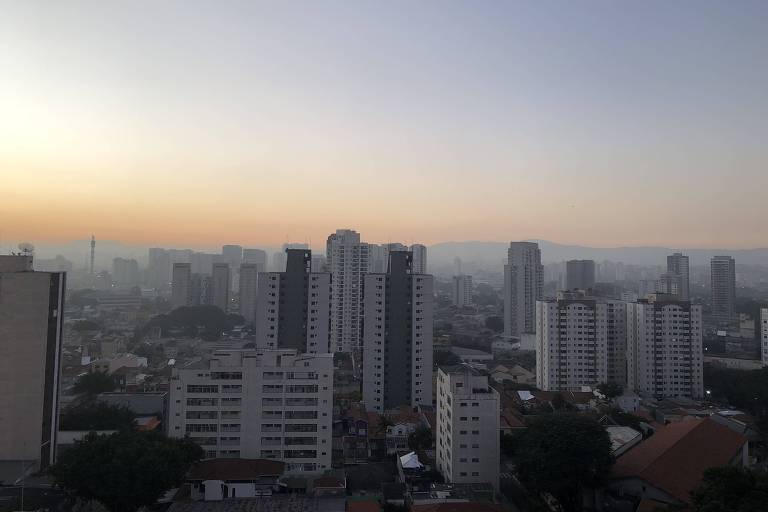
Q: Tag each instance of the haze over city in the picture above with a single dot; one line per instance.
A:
(196, 124)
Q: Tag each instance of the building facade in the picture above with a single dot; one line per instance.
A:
(461, 293)
(723, 273)
(764, 335)
(31, 332)
(252, 404)
(579, 274)
(678, 265)
(348, 262)
(419, 258)
(523, 283)
(249, 286)
(220, 284)
(580, 341)
(397, 336)
(294, 307)
(182, 293)
(467, 443)
(664, 347)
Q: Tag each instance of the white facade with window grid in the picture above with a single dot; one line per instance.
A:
(467, 446)
(271, 404)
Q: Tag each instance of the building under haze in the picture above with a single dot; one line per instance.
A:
(182, 293)
(467, 441)
(723, 274)
(257, 257)
(31, 331)
(348, 262)
(258, 404)
(678, 266)
(664, 347)
(523, 284)
(764, 335)
(125, 271)
(419, 252)
(248, 293)
(580, 341)
(220, 286)
(579, 275)
(397, 336)
(461, 291)
(293, 307)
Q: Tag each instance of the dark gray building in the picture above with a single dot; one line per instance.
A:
(723, 273)
(579, 275)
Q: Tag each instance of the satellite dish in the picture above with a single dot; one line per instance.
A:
(26, 248)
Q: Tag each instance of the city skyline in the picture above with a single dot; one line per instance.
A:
(201, 124)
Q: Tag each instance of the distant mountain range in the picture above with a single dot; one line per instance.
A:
(492, 254)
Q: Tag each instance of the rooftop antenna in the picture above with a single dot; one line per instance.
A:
(93, 251)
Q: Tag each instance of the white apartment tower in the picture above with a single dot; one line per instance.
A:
(31, 332)
(461, 292)
(664, 347)
(249, 275)
(523, 283)
(580, 341)
(397, 336)
(293, 309)
(252, 404)
(467, 444)
(419, 258)
(348, 262)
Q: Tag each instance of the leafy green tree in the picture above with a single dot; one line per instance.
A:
(731, 489)
(384, 423)
(558, 402)
(94, 383)
(494, 323)
(97, 416)
(610, 389)
(126, 470)
(420, 439)
(563, 454)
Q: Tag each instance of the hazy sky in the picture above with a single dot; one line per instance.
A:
(201, 123)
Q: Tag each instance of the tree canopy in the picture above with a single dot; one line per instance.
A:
(208, 322)
(610, 389)
(494, 323)
(126, 470)
(94, 383)
(97, 416)
(562, 454)
(420, 439)
(445, 358)
(731, 489)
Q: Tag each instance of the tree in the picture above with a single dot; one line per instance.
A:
(610, 389)
(563, 454)
(94, 383)
(384, 423)
(85, 325)
(97, 416)
(731, 489)
(494, 323)
(420, 439)
(558, 402)
(126, 470)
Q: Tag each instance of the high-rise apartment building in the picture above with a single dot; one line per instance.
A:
(249, 275)
(182, 293)
(678, 266)
(579, 275)
(523, 283)
(764, 335)
(31, 331)
(467, 444)
(397, 336)
(253, 404)
(221, 282)
(348, 263)
(158, 268)
(580, 341)
(461, 293)
(664, 347)
(232, 255)
(670, 284)
(256, 256)
(419, 258)
(125, 271)
(723, 272)
(294, 307)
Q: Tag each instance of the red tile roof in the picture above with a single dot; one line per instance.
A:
(235, 469)
(675, 457)
(510, 418)
(476, 506)
(328, 482)
(363, 506)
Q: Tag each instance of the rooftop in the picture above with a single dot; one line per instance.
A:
(235, 469)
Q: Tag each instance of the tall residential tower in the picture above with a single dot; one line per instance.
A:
(523, 283)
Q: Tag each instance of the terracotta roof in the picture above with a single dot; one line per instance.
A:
(235, 469)
(357, 412)
(467, 506)
(404, 414)
(512, 419)
(675, 457)
(374, 419)
(363, 506)
(574, 397)
(328, 482)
